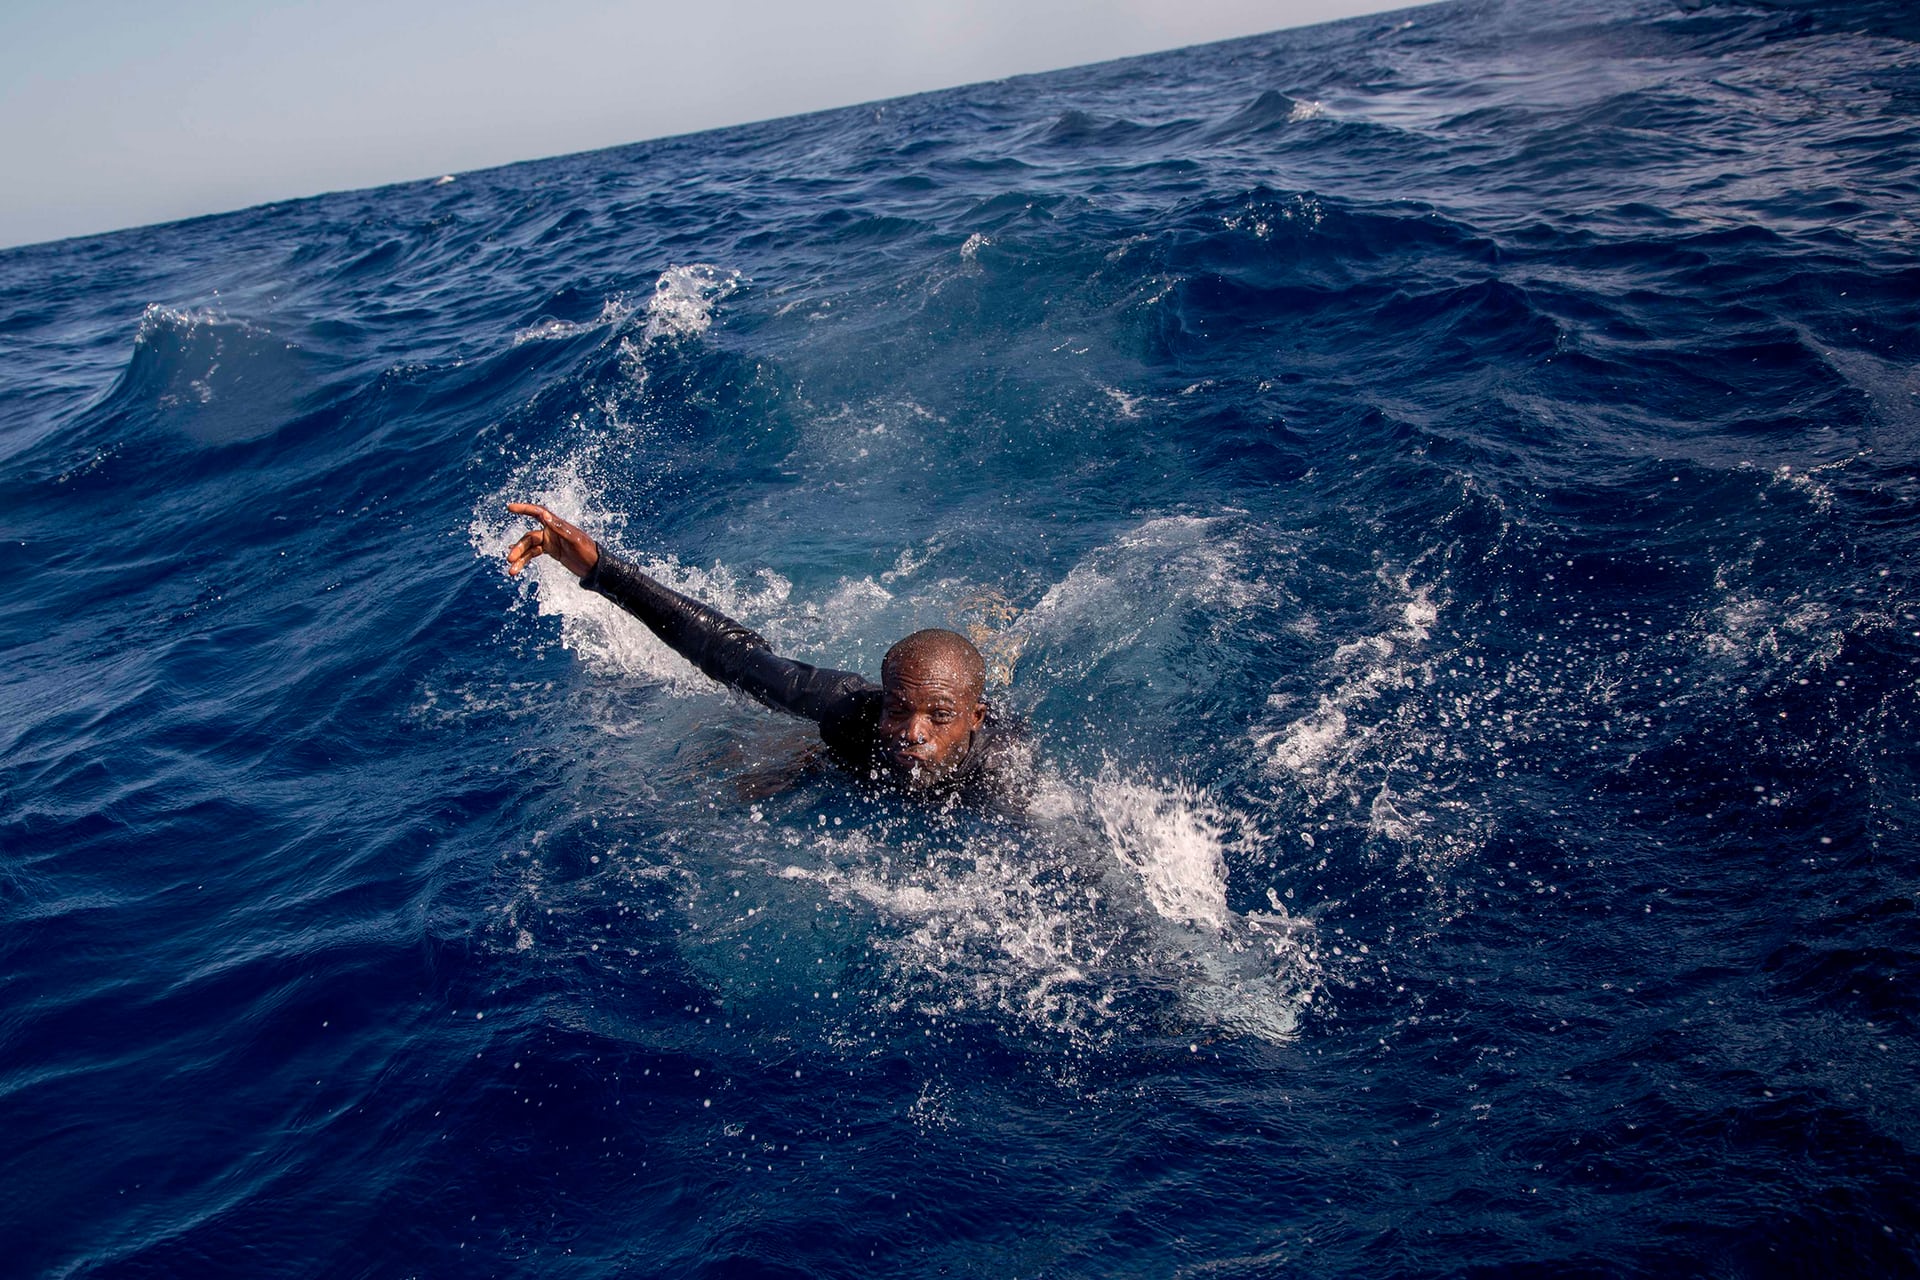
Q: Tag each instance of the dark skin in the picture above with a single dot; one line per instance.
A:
(931, 705)
(928, 714)
(567, 543)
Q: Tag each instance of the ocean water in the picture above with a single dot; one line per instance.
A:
(1441, 488)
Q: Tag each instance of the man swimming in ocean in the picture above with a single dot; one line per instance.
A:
(926, 727)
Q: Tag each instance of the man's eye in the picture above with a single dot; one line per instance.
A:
(942, 717)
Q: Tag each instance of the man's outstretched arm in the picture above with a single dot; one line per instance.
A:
(716, 644)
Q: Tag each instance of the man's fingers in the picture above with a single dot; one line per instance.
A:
(534, 543)
(555, 537)
(545, 517)
(531, 546)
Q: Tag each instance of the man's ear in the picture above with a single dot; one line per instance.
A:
(979, 714)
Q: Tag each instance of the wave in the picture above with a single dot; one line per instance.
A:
(1271, 110)
(215, 379)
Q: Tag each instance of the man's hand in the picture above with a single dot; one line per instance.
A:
(555, 537)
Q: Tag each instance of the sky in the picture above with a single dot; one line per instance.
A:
(121, 113)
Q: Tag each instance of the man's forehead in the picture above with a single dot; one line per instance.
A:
(929, 674)
(935, 657)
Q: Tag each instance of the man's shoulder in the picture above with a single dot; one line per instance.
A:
(850, 721)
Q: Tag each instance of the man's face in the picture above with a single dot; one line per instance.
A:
(927, 716)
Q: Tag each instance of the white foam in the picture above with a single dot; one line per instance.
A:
(1363, 670)
(680, 306)
(684, 298)
(911, 560)
(1749, 627)
(1170, 836)
(983, 933)
(1387, 735)
(1128, 405)
(1251, 975)
(1119, 890)
(1303, 744)
(613, 312)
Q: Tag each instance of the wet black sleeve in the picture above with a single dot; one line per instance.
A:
(721, 647)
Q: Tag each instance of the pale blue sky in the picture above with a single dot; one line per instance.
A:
(117, 114)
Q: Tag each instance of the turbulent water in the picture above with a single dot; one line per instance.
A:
(1441, 488)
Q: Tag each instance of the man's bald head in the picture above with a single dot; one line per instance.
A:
(931, 704)
(938, 650)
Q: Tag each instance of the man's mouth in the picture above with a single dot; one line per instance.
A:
(905, 759)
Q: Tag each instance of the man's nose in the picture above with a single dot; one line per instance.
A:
(917, 729)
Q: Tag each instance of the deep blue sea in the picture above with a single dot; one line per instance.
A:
(1442, 489)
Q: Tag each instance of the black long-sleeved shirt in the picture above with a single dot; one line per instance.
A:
(845, 704)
